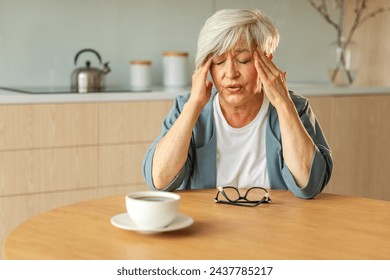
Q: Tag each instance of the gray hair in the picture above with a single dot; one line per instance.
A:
(227, 27)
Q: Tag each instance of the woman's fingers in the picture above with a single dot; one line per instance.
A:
(284, 77)
(206, 66)
(201, 87)
(264, 67)
(199, 77)
(272, 80)
(203, 69)
(268, 64)
(261, 73)
(267, 69)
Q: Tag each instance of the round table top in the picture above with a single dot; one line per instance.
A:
(327, 227)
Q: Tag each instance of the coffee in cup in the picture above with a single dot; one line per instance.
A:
(152, 209)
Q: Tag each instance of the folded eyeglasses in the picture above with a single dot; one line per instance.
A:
(252, 197)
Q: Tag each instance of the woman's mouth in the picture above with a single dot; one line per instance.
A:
(234, 88)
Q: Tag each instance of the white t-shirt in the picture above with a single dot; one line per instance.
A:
(241, 157)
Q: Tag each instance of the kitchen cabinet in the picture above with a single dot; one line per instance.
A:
(358, 133)
(56, 154)
(48, 169)
(47, 125)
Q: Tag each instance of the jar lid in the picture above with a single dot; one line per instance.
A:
(144, 62)
(174, 53)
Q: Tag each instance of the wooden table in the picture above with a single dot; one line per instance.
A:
(328, 227)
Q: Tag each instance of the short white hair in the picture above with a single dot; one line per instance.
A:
(227, 27)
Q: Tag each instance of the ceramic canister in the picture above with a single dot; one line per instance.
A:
(175, 69)
(140, 75)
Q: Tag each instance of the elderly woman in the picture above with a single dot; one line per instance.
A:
(247, 130)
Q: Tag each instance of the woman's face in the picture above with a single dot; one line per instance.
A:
(235, 76)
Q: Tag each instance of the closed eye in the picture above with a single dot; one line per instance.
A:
(218, 62)
(244, 61)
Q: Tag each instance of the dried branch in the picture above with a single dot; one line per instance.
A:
(322, 9)
(359, 9)
(371, 15)
(358, 20)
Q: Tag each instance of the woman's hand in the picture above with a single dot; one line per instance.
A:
(272, 79)
(201, 87)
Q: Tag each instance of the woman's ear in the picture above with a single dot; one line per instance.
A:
(271, 56)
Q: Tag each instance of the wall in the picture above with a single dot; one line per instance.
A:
(39, 38)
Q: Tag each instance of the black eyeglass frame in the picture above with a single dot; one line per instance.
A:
(242, 200)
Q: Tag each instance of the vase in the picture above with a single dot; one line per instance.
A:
(344, 63)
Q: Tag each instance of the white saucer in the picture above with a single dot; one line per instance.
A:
(123, 221)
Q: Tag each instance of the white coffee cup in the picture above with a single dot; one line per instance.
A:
(152, 209)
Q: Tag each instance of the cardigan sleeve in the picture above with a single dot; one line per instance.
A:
(184, 174)
(322, 163)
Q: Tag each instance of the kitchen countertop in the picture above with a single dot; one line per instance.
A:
(159, 93)
(13, 97)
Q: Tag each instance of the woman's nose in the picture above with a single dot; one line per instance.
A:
(231, 70)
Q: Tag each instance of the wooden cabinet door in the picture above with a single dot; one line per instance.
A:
(131, 122)
(126, 129)
(361, 138)
(358, 132)
(47, 125)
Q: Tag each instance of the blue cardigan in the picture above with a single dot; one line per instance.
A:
(199, 171)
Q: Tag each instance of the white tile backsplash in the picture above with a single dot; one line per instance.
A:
(39, 38)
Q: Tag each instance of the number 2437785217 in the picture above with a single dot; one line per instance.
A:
(241, 270)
